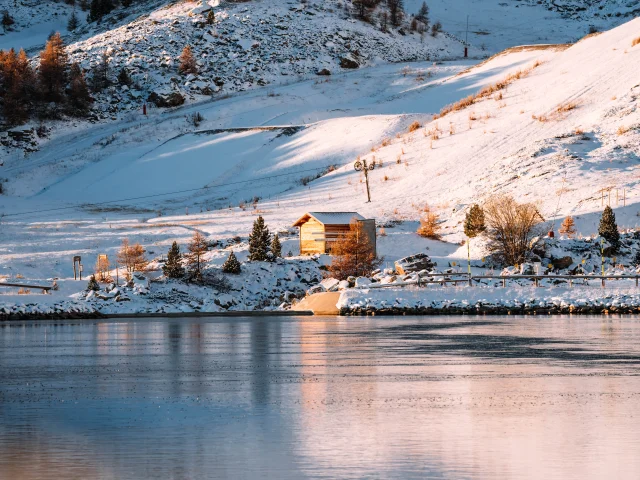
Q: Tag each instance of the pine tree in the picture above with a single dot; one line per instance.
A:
(423, 13)
(259, 241)
(84, 5)
(72, 24)
(123, 77)
(187, 62)
(211, 17)
(78, 91)
(276, 247)
(353, 254)
(609, 230)
(436, 28)
(173, 267)
(636, 259)
(568, 227)
(195, 258)
(54, 65)
(231, 265)
(7, 20)
(100, 78)
(93, 284)
(474, 221)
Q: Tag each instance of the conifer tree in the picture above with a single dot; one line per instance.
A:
(259, 241)
(125, 3)
(93, 284)
(608, 229)
(72, 24)
(568, 227)
(187, 62)
(423, 13)
(198, 246)
(276, 247)
(474, 221)
(7, 20)
(211, 17)
(123, 77)
(54, 65)
(173, 267)
(84, 5)
(100, 78)
(231, 265)
(636, 259)
(78, 91)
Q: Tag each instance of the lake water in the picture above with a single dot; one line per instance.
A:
(312, 397)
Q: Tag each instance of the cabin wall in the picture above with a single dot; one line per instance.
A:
(312, 238)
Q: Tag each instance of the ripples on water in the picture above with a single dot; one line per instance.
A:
(403, 397)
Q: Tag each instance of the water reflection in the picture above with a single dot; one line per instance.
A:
(405, 397)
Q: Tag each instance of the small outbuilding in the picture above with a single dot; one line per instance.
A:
(320, 230)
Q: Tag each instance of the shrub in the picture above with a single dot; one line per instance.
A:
(353, 254)
(635, 41)
(93, 284)
(414, 126)
(474, 221)
(608, 229)
(429, 224)
(231, 265)
(511, 227)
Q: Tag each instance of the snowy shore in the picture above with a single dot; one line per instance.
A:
(491, 300)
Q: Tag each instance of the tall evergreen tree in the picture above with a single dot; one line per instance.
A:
(474, 221)
(100, 78)
(423, 13)
(276, 247)
(173, 267)
(231, 265)
(608, 229)
(79, 96)
(54, 65)
(72, 24)
(7, 20)
(259, 241)
(198, 246)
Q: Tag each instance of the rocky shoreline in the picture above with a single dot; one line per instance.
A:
(491, 310)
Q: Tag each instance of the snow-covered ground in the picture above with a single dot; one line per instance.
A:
(91, 187)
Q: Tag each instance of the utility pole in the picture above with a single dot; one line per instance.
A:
(361, 165)
(466, 39)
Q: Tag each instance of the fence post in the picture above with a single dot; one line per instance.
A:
(504, 282)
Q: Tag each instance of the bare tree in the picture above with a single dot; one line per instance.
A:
(353, 254)
(511, 227)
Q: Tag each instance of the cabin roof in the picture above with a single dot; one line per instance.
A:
(329, 218)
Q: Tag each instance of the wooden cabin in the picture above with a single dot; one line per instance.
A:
(319, 230)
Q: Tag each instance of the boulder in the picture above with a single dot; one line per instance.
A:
(362, 282)
(330, 284)
(324, 71)
(562, 262)
(413, 263)
(346, 62)
(173, 99)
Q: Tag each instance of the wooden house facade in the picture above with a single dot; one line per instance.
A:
(319, 230)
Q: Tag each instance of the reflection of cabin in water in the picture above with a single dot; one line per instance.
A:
(319, 230)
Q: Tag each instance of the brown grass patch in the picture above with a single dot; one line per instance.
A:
(635, 41)
(622, 129)
(414, 126)
(566, 107)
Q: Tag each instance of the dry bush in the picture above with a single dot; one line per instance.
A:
(540, 118)
(386, 177)
(452, 129)
(622, 129)
(498, 97)
(385, 142)
(382, 232)
(429, 224)
(353, 254)
(578, 131)
(473, 116)
(568, 227)
(511, 227)
(414, 126)
(24, 291)
(566, 107)
(635, 41)
(398, 160)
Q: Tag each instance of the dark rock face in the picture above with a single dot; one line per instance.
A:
(348, 63)
(174, 99)
(562, 262)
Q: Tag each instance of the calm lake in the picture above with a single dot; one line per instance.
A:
(313, 397)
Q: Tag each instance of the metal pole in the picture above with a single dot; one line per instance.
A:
(366, 179)
(602, 257)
